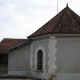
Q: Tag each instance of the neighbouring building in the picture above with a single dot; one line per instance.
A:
(50, 52)
(13, 56)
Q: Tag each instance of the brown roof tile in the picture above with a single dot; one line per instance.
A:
(3, 50)
(66, 21)
(7, 43)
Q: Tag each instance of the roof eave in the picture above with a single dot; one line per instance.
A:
(19, 45)
(55, 34)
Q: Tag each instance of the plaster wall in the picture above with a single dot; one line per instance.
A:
(40, 44)
(19, 61)
(35, 47)
(62, 56)
(68, 76)
(68, 55)
(51, 55)
(47, 45)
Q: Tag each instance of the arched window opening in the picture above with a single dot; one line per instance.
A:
(40, 60)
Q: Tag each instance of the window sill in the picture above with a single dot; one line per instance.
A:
(39, 71)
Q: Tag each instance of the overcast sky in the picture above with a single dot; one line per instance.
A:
(20, 18)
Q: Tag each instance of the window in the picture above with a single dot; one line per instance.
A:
(40, 60)
(3, 60)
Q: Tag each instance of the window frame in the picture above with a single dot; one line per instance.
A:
(3, 60)
(40, 60)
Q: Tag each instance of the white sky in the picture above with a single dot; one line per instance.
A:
(20, 18)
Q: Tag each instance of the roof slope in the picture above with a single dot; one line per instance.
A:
(66, 21)
(3, 50)
(8, 43)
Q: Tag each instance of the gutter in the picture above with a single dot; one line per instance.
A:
(19, 45)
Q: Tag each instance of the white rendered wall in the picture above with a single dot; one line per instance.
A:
(19, 61)
(48, 46)
(52, 55)
(68, 58)
(68, 76)
(35, 47)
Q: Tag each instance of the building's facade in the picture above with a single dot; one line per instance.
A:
(57, 42)
(52, 52)
(61, 56)
(19, 61)
(14, 56)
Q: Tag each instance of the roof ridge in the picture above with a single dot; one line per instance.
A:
(54, 28)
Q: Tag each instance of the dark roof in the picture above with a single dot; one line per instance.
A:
(3, 50)
(65, 22)
(8, 44)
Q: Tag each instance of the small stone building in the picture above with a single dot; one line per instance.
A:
(50, 52)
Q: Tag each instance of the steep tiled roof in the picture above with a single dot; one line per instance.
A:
(66, 21)
(7, 43)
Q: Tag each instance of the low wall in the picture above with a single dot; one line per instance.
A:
(3, 69)
(6, 77)
(68, 76)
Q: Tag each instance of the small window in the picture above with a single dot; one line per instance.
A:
(3, 60)
(40, 60)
